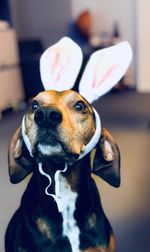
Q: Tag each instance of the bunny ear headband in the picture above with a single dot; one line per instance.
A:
(61, 63)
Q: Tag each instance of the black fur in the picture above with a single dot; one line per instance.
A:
(23, 234)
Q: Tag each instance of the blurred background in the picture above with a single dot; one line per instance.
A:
(27, 28)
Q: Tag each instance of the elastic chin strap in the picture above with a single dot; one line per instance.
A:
(88, 149)
(58, 195)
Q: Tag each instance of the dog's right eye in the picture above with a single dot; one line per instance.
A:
(34, 105)
(80, 106)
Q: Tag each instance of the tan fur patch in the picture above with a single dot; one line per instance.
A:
(30, 128)
(112, 244)
(43, 228)
(94, 250)
(92, 221)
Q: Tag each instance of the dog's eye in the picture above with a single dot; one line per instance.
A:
(80, 106)
(34, 105)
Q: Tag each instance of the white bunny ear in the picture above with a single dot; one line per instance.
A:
(104, 69)
(60, 65)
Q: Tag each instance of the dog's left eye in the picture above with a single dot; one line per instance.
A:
(34, 105)
(80, 106)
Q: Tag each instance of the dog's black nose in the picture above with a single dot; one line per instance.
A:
(47, 117)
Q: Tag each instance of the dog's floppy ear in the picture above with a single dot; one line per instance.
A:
(106, 163)
(19, 160)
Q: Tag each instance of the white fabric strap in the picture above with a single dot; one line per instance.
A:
(46, 175)
(57, 195)
(25, 137)
(57, 185)
(90, 146)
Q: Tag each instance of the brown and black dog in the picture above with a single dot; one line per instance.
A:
(59, 125)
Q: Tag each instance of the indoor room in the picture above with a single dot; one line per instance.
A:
(27, 29)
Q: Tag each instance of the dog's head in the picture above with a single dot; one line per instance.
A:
(61, 124)
(59, 127)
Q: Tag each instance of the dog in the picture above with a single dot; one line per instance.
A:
(59, 126)
(61, 143)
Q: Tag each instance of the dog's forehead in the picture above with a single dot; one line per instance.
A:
(57, 97)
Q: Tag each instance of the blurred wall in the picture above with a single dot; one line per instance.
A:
(143, 46)
(105, 13)
(47, 19)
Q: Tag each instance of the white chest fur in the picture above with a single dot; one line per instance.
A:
(67, 206)
(66, 202)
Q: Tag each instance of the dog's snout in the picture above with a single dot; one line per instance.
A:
(47, 117)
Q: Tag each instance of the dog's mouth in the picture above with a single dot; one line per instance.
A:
(52, 147)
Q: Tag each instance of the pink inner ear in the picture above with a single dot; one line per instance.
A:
(96, 83)
(57, 66)
(55, 61)
(108, 74)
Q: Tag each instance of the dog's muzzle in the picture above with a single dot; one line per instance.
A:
(46, 116)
